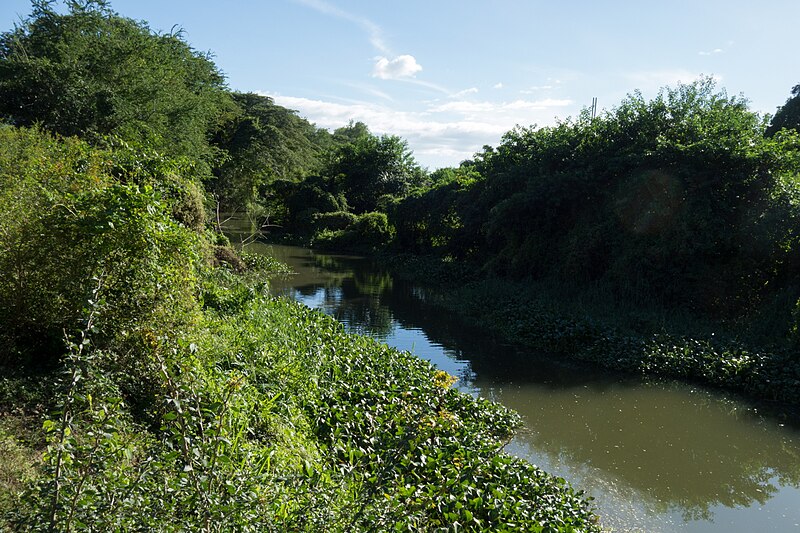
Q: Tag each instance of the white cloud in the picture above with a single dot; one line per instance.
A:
(711, 52)
(403, 66)
(439, 133)
(536, 89)
(465, 92)
(498, 85)
(463, 107)
(472, 109)
(383, 119)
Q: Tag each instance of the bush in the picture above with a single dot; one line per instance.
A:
(334, 221)
(190, 209)
(66, 228)
(370, 232)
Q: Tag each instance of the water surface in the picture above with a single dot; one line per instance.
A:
(655, 456)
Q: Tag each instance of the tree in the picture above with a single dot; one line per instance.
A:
(371, 167)
(264, 142)
(91, 72)
(350, 133)
(788, 116)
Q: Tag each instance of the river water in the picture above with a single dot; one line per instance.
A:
(656, 457)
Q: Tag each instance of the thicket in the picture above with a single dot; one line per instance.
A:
(148, 384)
(344, 206)
(680, 200)
(90, 72)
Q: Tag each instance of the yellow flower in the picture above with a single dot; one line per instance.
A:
(443, 379)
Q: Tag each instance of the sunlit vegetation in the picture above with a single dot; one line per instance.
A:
(150, 382)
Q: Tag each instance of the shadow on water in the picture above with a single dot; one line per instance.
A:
(657, 456)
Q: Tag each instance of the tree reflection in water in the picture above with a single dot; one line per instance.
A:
(668, 447)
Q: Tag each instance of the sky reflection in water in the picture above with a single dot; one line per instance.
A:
(657, 457)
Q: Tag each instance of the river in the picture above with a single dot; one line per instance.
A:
(657, 457)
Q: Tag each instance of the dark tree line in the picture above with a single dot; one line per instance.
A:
(689, 198)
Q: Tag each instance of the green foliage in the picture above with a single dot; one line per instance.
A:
(91, 72)
(267, 427)
(438, 219)
(304, 201)
(189, 208)
(367, 232)
(65, 221)
(788, 115)
(264, 265)
(181, 397)
(425, 457)
(264, 142)
(680, 198)
(16, 468)
(336, 220)
(526, 315)
(371, 167)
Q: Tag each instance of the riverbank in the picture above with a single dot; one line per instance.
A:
(150, 382)
(272, 418)
(635, 340)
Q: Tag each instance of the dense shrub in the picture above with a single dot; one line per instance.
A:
(68, 227)
(334, 221)
(369, 232)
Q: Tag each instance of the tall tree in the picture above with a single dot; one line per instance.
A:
(371, 167)
(91, 72)
(264, 142)
(788, 115)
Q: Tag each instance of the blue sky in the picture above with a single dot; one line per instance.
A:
(453, 75)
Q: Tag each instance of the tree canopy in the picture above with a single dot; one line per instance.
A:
(91, 72)
(680, 197)
(788, 115)
(263, 142)
(373, 166)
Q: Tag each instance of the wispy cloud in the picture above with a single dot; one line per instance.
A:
(498, 85)
(366, 89)
(427, 85)
(403, 66)
(711, 52)
(373, 30)
(465, 92)
(388, 66)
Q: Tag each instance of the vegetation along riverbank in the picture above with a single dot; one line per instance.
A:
(149, 380)
(589, 326)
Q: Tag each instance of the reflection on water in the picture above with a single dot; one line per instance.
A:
(657, 457)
